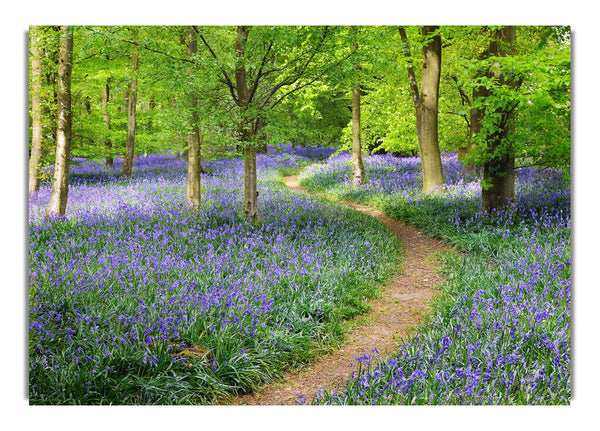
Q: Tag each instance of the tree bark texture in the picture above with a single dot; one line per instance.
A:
(427, 111)
(498, 186)
(426, 105)
(194, 142)
(358, 170)
(248, 141)
(60, 184)
(35, 159)
(131, 112)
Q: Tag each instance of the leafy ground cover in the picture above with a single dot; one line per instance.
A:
(502, 333)
(135, 299)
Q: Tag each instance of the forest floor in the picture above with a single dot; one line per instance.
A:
(404, 304)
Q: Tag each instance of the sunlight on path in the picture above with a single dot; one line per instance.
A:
(402, 306)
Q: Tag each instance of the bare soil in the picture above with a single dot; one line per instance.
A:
(404, 304)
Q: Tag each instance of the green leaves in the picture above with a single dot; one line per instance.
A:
(300, 79)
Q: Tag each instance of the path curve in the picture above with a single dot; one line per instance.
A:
(403, 304)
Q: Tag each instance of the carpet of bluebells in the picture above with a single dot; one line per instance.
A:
(501, 334)
(136, 299)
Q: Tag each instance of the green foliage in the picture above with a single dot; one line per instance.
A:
(316, 116)
(536, 96)
(300, 78)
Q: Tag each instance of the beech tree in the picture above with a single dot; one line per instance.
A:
(358, 170)
(520, 107)
(270, 65)
(35, 159)
(60, 184)
(106, 118)
(248, 135)
(504, 91)
(194, 139)
(426, 104)
(131, 117)
(491, 121)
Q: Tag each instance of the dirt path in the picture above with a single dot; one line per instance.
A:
(401, 307)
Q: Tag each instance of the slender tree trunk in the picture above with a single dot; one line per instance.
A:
(194, 142)
(426, 106)
(52, 57)
(106, 117)
(37, 144)
(131, 111)
(498, 185)
(248, 141)
(60, 184)
(358, 170)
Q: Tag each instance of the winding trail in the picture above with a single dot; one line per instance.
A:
(403, 304)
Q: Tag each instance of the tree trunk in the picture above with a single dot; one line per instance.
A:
(60, 184)
(358, 170)
(427, 111)
(259, 136)
(131, 111)
(426, 105)
(248, 141)
(498, 185)
(194, 143)
(35, 158)
(107, 143)
(498, 190)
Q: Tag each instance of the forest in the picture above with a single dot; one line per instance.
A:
(170, 264)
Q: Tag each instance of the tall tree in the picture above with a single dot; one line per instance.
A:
(35, 159)
(131, 116)
(491, 122)
(269, 67)
(60, 184)
(358, 170)
(108, 161)
(248, 135)
(194, 139)
(426, 104)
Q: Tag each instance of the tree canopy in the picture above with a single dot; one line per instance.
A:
(298, 89)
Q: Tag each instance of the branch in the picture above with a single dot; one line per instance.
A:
(260, 72)
(464, 97)
(299, 75)
(226, 77)
(311, 81)
(186, 60)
